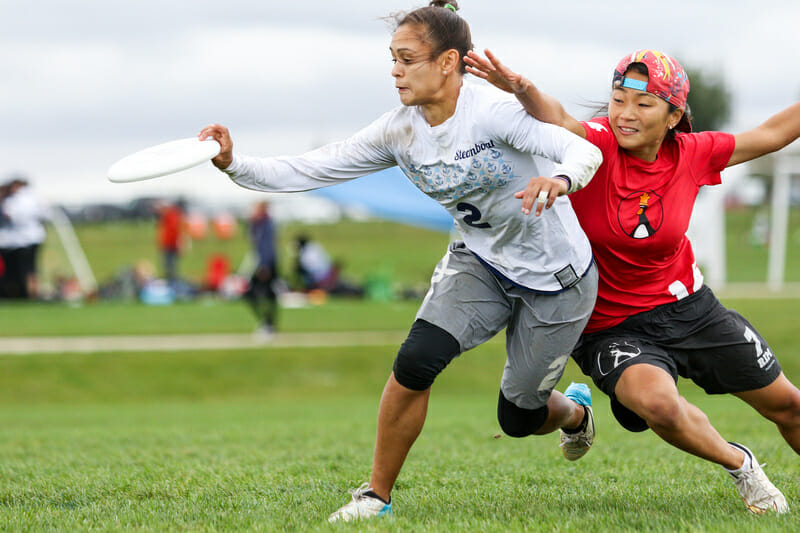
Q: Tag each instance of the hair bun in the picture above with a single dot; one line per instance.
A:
(444, 4)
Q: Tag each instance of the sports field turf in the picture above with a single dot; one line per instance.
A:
(270, 439)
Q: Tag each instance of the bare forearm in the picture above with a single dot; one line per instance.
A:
(541, 106)
(546, 108)
(778, 131)
(785, 126)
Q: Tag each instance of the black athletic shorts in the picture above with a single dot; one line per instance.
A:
(695, 338)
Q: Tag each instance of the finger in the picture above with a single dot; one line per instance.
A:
(528, 198)
(501, 69)
(477, 73)
(493, 59)
(210, 131)
(477, 60)
(526, 202)
(551, 199)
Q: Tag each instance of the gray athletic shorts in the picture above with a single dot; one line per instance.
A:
(472, 304)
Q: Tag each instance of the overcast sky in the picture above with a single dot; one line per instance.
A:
(87, 82)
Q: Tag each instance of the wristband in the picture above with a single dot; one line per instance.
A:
(566, 180)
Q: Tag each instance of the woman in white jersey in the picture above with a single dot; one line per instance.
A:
(470, 149)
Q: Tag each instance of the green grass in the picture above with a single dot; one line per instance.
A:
(271, 439)
(746, 259)
(205, 316)
(218, 316)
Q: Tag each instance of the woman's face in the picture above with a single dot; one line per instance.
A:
(640, 120)
(418, 77)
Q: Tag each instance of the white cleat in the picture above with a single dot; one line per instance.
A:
(757, 491)
(361, 506)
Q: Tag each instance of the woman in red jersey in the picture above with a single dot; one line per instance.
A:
(654, 319)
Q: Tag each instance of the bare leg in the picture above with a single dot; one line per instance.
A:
(401, 416)
(562, 413)
(779, 402)
(650, 392)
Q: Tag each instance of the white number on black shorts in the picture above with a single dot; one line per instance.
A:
(762, 357)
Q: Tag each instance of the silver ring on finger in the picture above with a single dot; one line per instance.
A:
(543, 196)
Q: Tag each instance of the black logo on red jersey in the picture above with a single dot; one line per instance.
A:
(640, 214)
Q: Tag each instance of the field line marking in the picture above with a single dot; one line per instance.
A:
(130, 343)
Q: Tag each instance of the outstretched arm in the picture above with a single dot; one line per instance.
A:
(363, 153)
(778, 131)
(539, 105)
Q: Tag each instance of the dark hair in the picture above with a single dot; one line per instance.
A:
(444, 28)
(641, 68)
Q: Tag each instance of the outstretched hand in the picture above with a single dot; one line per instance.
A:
(492, 70)
(220, 134)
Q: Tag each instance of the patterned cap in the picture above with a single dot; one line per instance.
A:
(666, 77)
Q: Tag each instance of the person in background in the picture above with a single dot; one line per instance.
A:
(654, 319)
(261, 293)
(313, 266)
(171, 229)
(5, 243)
(315, 270)
(22, 233)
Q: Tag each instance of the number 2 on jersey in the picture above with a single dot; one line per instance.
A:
(473, 215)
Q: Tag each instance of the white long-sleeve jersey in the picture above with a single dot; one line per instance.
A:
(472, 164)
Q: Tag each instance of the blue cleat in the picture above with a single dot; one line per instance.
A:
(575, 444)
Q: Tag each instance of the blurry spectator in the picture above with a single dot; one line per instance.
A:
(171, 228)
(22, 232)
(5, 241)
(218, 268)
(261, 293)
(317, 271)
(313, 266)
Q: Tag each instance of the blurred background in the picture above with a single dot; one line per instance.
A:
(89, 82)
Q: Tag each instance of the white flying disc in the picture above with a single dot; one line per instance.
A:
(163, 159)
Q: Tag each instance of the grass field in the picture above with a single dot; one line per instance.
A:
(270, 439)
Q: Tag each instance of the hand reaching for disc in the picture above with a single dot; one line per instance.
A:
(492, 70)
(220, 134)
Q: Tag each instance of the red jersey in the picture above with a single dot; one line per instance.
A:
(636, 214)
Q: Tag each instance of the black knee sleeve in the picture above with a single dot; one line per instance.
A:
(425, 353)
(518, 422)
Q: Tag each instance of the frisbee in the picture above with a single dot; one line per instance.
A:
(163, 159)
